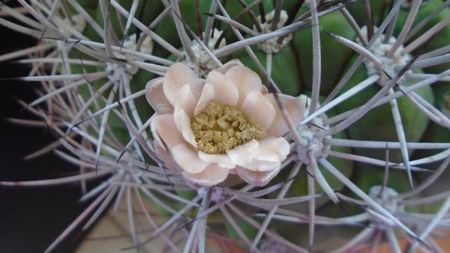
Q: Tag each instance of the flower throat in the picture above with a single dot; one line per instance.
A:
(220, 127)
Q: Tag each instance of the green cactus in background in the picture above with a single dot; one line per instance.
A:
(264, 126)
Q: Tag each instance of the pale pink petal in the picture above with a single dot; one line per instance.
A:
(176, 77)
(156, 98)
(257, 165)
(222, 160)
(257, 178)
(210, 176)
(165, 131)
(223, 69)
(226, 91)
(186, 100)
(259, 109)
(267, 155)
(207, 95)
(244, 154)
(188, 159)
(165, 156)
(273, 150)
(295, 107)
(245, 80)
(183, 123)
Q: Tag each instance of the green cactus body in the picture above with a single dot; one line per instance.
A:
(378, 11)
(118, 21)
(366, 176)
(414, 121)
(284, 68)
(435, 132)
(246, 228)
(167, 29)
(334, 55)
(300, 184)
(234, 8)
(439, 40)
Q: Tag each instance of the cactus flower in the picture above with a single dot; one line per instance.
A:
(227, 123)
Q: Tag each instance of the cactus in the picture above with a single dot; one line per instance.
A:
(237, 125)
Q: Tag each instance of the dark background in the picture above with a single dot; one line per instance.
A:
(30, 218)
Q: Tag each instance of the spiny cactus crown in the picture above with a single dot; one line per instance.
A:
(262, 123)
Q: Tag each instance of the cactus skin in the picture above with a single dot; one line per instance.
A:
(334, 55)
(413, 121)
(300, 185)
(358, 11)
(440, 39)
(167, 27)
(284, 69)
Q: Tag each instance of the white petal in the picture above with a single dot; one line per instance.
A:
(257, 165)
(273, 150)
(165, 131)
(176, 77)
(212, 175)
(223, 69)
(183, 123)
(255, 177)
(222, 160)
(244, 154)
(259, 109)
(266, 155)
(156, 98)
(207, 95)
(185, 100)
(225, 88)
(188, 159)
(245, 80)
(165, 156)
(295, 107)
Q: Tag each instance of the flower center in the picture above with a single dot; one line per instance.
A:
(220, 127)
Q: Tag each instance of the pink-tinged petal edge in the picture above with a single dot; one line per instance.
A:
(176, 77)
(165, 156)
(186, 100)
(245, 81)
(273, 149)
(226, 90)
(210, 176)
(265, 155)
(206, 96)
(222, 160)
(183, 123)
(244, 154)
(156, 98)
(256, 178)
(295, 106)
(259, 109)
(187, 159)
(165, 131)
(232, 63)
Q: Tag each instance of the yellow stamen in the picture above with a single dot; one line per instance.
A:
(220, 127)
